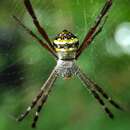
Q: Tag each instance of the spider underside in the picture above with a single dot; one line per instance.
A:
(66, 50)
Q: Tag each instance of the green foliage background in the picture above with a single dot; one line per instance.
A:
(25, 65)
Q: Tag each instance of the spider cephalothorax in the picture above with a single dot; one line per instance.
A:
(66, 45)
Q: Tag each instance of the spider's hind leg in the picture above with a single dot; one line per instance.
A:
(92, 33)
(44, 45)
(40, 29)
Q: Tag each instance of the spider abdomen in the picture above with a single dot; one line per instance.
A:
(66, 45)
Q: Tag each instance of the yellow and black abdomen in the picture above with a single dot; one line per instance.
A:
(66, 45)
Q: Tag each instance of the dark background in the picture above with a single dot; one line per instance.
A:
(25, 65)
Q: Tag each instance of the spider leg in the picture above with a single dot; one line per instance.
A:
(35, 36)
(95, 94)
(101, 91)
(34, 102)
(90, 35)
(104, 94)
(40, 29)
(99, 29)
(42, 102)
(89, 86)
(44, 90)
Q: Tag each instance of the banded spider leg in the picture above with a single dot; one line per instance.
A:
(42, 95)
(96, 90)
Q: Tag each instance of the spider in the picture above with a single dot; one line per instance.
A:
(66, 50)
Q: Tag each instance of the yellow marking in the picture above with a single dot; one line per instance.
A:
(65, 50)
(69, 41)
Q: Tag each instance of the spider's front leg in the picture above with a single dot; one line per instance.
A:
(89, 86)
(96, 90)
(39, 107)
(42, 94)
(94, 30)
